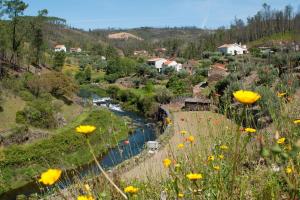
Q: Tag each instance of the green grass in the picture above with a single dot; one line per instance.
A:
(65, 149)
(11, 105)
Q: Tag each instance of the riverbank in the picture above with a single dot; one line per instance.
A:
(65, 149)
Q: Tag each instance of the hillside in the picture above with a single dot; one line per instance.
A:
(123, 36)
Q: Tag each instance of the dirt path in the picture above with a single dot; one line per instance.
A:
(204, 126)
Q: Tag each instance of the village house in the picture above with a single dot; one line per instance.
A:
(60, 48)
(217, 72)
(233, 49)
(75, 50)
(190, 66)
(174, 64)
(157, 63)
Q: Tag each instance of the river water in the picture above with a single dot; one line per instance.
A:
(144, 131)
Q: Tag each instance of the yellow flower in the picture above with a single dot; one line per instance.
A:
(211, 158)
(194, 177)
(180, 195)
(250, 130)
(224, 147)
(288, 170)
(297, 121)
(85, 198)
(221, 156)
(131, 190)
(281, 140)
(190, 139)
(50, 176)
(85, 130)
(87, 187)
(168, 121)
(246, 97)
(183, 132)
(281, 94)
(180, 146)
(167, 162)
(217, 167)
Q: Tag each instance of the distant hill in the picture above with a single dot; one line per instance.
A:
(123, 36)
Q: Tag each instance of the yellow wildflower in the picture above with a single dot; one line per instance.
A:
(281, 94)
(180, 195)
(50, 176)
(216, 167)
(281, 140)
(131, 190)
(85, 198)
(85, 130)
(190, 139)
(250, 130)
(194, 177)
(224, 147)
(288, 170)
(180, 146)
(167, 162)
(297, 121)
(87, 187)
(246, 97)
(221, 156)
(168, 121)
(211, 158)
(183, 132)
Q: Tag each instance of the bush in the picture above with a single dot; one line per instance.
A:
(39, 113)
(163, 95)
(26, 95)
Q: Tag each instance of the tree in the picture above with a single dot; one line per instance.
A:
(59, 60)
(37, 35)
(14, 9)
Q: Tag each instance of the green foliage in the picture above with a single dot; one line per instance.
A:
(39, 113)
(56, 83)
(59, 60)
(87, 91)
(84, 77)
(179, 86)
(163, 95)
(267, 75)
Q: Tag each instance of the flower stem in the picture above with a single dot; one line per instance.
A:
(103, 171)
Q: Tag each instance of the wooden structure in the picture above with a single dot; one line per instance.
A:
(197, 104)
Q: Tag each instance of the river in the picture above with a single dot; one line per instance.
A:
(144, 131)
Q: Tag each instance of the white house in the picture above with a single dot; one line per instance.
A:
(174, 64)
(157, 63)
(75, 50)
(59, 48)
(233, 49)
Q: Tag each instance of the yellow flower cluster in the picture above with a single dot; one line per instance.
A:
(211, 158)
(85, 198)
(85, 130)
(183, 132)
(297, 121)
(167, 162)
(191, 139)
(194, 177)
(250, 130)
(224, 147)
(131, 190)
(180, 146)
(246, 97)
(50, 176)
(281, 140)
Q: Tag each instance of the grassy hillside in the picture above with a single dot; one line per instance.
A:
(275, 39)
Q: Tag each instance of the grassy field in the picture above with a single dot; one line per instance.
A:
(11, 105)
(64, 150)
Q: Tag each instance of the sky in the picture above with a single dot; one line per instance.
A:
(93, 14)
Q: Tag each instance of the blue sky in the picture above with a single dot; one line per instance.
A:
(155, 13)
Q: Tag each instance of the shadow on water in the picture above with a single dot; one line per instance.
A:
(125, 149)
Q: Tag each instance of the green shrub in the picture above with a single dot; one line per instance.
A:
(26, 95)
